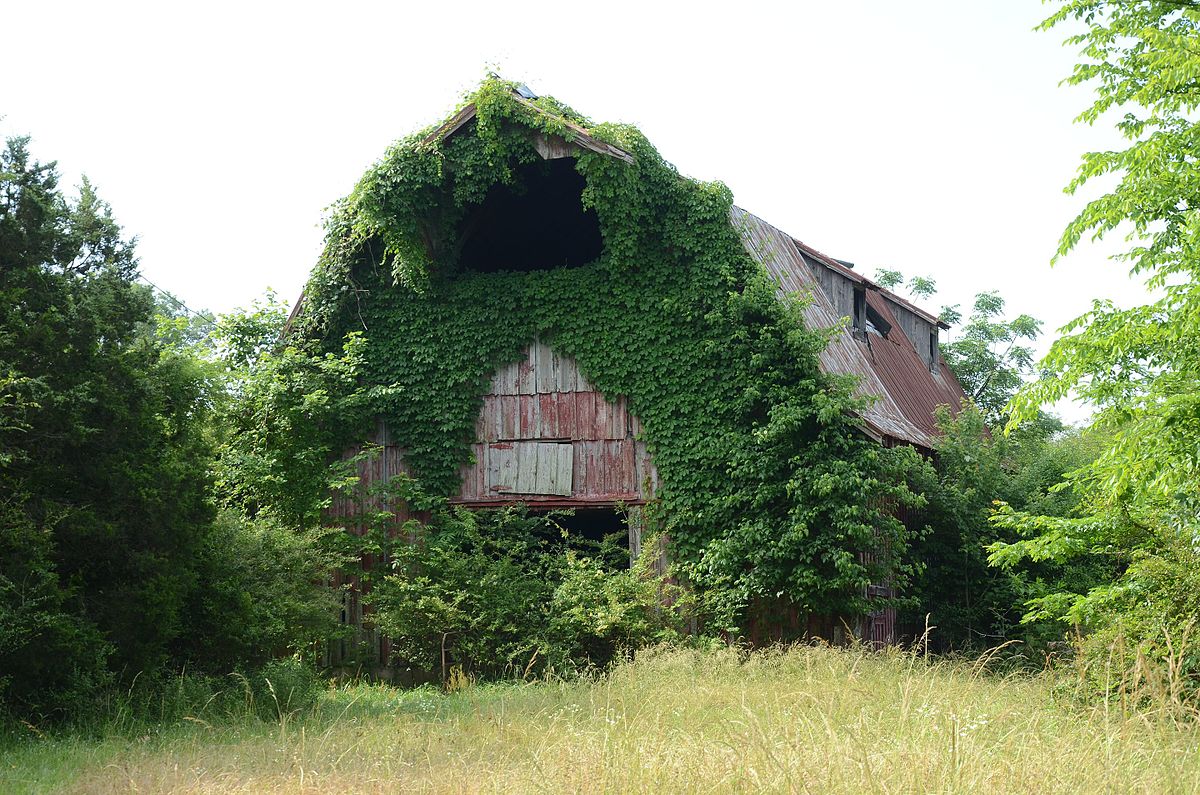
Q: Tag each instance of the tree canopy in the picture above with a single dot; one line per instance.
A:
(1138, 368)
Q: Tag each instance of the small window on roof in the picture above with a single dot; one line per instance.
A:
(860, 308)
(933, 349)
(876, 322)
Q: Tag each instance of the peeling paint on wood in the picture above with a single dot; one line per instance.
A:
(561, 438)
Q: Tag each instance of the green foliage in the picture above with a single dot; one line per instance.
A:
(888, 278)
(991, 355)
(972, 603)
(103, 456)
(266, 592)
(767, 486)
(506, 593)
(1139, 368)
(920, 286)
(290, 411)
(114, 562)
(51, 658)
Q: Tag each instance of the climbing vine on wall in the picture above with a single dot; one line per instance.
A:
(768, 487)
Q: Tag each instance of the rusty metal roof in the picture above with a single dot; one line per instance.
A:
(889, 369)
(916, 389)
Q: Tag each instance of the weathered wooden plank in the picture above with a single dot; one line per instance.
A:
(546, 367)
(546, 468)
(562, 471)
(619, 425)
(548, 417)
(566, 375)
(553, 147)
(566, 415)
(526, 374)
(581, 382)
(506, 481)
(510, 416)
(504, 381)
(526, 476)
(599, 429)
(527, 419)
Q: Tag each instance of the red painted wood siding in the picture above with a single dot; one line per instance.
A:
(543, 397)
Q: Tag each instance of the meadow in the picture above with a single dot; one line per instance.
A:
(803, 719)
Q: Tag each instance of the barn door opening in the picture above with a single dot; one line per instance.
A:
(602, 530)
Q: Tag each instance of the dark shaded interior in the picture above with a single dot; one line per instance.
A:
(602, 530)
(537, 224)
(593, 523)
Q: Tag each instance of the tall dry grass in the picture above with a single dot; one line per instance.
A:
(805, 719)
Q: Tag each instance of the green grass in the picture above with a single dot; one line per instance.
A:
(803, 720)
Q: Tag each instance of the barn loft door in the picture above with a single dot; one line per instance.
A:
(529, 468)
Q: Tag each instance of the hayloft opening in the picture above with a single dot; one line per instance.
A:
(537, 223)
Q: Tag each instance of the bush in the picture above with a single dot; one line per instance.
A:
(507, 594)
(52, 660)
(266, 593)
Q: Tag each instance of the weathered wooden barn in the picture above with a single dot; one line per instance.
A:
(546, 437)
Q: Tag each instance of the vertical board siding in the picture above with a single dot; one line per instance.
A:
(544, 432)
(353, 510)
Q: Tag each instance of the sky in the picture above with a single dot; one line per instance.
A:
(931, 136)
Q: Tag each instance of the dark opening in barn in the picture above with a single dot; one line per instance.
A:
(536, 224)
(604, 526)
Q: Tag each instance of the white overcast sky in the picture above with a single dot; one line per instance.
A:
(929, 136)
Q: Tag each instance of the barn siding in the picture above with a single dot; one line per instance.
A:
(542, 402)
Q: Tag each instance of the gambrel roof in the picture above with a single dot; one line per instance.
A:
(890, 345)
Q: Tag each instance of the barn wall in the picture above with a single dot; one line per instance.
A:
(917, 329)
(544, 436)
(540, 402)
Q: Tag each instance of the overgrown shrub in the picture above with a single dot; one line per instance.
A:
(507, 593)
(267, 593)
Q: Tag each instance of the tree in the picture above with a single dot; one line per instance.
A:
(103, 465)
(1138, 368)
(114, 560)
(990, 357)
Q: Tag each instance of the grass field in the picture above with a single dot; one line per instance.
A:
(803, 720)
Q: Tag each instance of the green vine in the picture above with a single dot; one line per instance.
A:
(768, 488)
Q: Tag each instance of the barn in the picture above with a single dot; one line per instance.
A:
(567, 407)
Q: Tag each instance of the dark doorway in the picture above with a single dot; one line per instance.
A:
(602, 531)
(536, 224)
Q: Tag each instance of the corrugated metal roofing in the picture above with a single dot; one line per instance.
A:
(916, 389)
(888, 369)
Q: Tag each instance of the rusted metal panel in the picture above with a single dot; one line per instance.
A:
(906, 374)
(779, 254)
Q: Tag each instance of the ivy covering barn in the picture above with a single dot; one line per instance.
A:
(549, 315)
